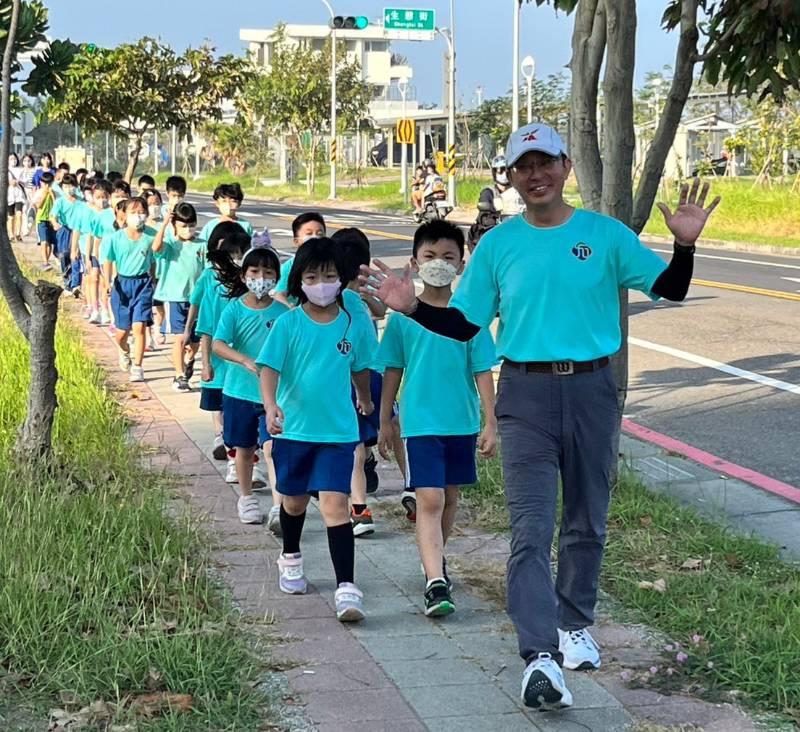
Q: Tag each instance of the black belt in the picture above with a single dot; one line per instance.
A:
(559, 368)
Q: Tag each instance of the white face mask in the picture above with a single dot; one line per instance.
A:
(323, 293)
(437, 272)
(259, 286)
(502, 179)
(154, 212)
(136, 221)
(228, 209)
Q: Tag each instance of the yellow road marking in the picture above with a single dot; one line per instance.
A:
(749, 290)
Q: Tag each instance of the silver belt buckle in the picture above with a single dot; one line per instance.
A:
(563, 368)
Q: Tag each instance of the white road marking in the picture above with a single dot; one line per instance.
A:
(792, 279)
(717, 365)
(736, 259)
(662, 470)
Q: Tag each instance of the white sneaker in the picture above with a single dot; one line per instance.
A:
(260, 479)
(292, 580)
(580, 650)
(543, 685)
(124, 360)
(94, 317)
(105, 318)
(230, 476)
(249, 510)
(137, 373)
(274, 520)
(349, 603)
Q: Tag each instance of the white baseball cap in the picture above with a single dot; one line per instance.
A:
(534, 137)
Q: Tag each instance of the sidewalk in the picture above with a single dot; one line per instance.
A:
(399, 670)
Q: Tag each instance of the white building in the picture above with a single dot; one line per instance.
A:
(380, 68)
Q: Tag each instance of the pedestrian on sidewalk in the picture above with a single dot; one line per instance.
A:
(553, 274)
(45, 199)
(59, 218)
(439, 410)
(238, 338)
(307, 364)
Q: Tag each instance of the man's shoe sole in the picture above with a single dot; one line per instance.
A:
(542, 695)
(584, 666)
(440, 610)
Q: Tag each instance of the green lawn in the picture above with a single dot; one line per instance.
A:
(102, 595)
(736, 617)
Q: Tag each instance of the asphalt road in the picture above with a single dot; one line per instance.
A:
(720, 371)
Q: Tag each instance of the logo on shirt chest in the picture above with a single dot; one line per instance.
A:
(582, 251)
(344, 347)
(270, 323)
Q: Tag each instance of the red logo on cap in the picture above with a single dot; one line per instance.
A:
(530, 137)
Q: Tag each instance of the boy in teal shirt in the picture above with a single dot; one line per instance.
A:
(182, 257)
(439, 409)
(228, 199)
(59, 218)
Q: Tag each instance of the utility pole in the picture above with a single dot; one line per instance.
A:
(451, 119)
(515, 67)
(332, 195)
(402, 85)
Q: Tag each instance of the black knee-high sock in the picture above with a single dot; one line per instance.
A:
(292, 530)
(343, 551)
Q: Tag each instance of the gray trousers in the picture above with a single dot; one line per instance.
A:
(549, 425)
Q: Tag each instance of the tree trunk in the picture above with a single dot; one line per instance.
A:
(133, 158)
(619, 148)
(34, 439)
(588, 48)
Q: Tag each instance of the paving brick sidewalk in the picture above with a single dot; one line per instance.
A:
(398, 670)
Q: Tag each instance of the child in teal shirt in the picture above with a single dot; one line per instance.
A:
(228, 199)
(439, 410)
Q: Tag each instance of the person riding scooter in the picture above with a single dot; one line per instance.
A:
(433, 192)
(495, 204)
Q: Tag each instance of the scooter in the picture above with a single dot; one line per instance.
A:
(435, 205)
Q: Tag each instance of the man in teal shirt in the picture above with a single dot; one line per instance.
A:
(553, 275)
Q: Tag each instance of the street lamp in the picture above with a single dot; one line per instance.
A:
(402, 85)
(332, 195)
(515, 69)
(528, 71)
(451, 117)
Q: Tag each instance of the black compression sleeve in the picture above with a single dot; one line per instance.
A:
(673, 282)
(447, 322)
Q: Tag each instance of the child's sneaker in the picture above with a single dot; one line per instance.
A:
(249, 510)
(230, 475)
(181, 384)
(349, 603)
(274, 520)
(409, 503)
(86, 312)
(371, 472)
(438, 601)
(105, 318)
(292, 580)
(543, 685)
(94, 317)
(124, 360)
(362, 523)
(188, 369)
(220, 452)
(137, 373)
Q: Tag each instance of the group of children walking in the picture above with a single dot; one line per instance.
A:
(299, 386)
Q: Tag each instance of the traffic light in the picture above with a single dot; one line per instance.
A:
(89, 47)
(349, 22)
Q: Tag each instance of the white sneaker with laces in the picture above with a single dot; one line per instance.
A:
(94, 317)
(124, 360)
(543, 685)
(580, 650)
(274, 520)
(137, 373)
(249, 510)
(230, 475)
(105, 318)
(349, 603)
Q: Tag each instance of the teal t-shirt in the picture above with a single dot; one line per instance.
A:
(439, 396)
(245, 329)
(133, 258)
(315, 362)
(181, 266)
(83, 220)
(362, 320)
(556, 288)
(209, 296)
(62, 209)
(105, 243)
(205, 233)
(104, 222)
(282, 284)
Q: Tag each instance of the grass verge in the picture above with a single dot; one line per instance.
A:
(102, 595)
(732, 595)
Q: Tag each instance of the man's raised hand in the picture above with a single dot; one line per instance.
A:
(395, 292)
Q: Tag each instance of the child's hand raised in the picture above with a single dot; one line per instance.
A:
(274, 420)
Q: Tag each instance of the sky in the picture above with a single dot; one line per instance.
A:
(483, 31)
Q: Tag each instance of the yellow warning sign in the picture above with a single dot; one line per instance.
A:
(406, 131)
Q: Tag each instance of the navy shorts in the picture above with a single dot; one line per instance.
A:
(210, 399)
(436, 462)
(46, 232)
(305, 467)
(244, 423)
(178, 313)
(368, 426)
(132, 300)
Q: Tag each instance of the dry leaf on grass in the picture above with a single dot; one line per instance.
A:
(660, 585)
(151, 705)
(646, 521)
(693, 564)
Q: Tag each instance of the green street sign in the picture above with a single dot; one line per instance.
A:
(409, 19)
